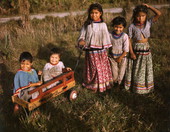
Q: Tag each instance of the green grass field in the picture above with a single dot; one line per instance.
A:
(101, 112)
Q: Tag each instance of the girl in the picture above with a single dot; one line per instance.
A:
(94, 38)
(25, 79)
(119, 49)
(139, 73)
(54, 68)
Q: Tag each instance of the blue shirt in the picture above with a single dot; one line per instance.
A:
(23, 78)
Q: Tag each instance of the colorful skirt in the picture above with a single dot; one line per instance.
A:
(97, 73)
(139, 72)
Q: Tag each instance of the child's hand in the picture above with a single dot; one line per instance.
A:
(39, 83)
(146, 5)
(133, 56)
(82, 43)
(39, 72)
(118, 60)
(68, 69)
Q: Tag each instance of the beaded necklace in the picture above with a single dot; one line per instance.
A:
(98, 21)
(140, 25)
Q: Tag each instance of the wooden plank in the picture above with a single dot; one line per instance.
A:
(67, 83)
(46, 98)
(58, 78)
(19, 101)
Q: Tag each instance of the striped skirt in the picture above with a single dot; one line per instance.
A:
(97, 73)
(139, 72)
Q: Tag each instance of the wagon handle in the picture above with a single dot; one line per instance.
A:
(78, 59)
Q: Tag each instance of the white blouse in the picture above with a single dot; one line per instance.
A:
(96, 35)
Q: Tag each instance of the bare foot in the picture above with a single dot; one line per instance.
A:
(117, 88)
(94, 91)
(16, 109)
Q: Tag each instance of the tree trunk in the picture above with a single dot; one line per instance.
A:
(24, 11)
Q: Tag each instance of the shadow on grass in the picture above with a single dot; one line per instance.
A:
(162, 83)
(60, 121)
(153, 114)
(7, 120)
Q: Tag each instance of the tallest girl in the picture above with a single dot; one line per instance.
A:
(139, 73)
(94, 38)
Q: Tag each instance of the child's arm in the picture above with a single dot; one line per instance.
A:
(37, 80)
(132, 54)
(81, 39)
(156, 11)
(35, 84)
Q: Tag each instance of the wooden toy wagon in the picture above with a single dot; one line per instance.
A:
(66, 82)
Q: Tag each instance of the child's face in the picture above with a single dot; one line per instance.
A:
(54, 59)
(95, 15)
(141, 17)
(118, 29)
(26, 65)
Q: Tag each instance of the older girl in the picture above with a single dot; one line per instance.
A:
(94, 38)
(139, 74)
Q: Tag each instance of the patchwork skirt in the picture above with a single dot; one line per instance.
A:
(139, 72)
(97, 73)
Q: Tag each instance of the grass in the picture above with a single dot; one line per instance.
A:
(10, 7)
(102, 112)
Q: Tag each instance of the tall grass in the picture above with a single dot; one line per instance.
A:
(102, 112)
(39, 6)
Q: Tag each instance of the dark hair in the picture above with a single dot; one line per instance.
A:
(139, 8)
(118, 20)
(94, 6)
(55, 51)
(25, 56)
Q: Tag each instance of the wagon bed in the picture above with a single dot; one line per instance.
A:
(67, 82)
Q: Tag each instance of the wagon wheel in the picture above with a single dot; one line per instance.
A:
(73, 95)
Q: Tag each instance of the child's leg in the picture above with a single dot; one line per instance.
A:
(52, 85)
(16, 108)
(24, 94)
(35, 94)
(121, 71)
(114, 67)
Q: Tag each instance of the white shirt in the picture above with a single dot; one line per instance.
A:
(51, 71)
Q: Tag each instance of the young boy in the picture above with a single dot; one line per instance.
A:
(119, 49)
(25, 79)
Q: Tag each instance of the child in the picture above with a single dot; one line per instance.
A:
(25, 79)
(94, 38)
(54, 68)
(139, 74)
(119, 49)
